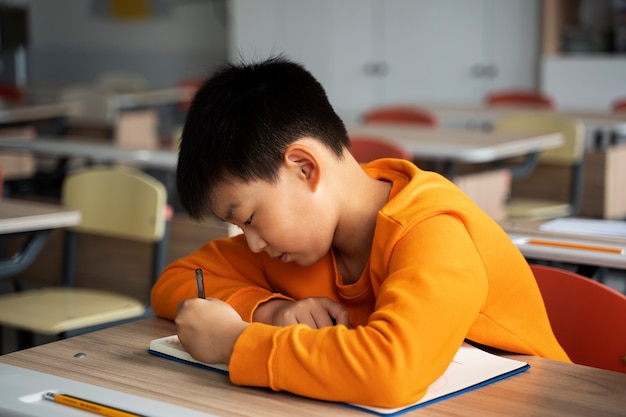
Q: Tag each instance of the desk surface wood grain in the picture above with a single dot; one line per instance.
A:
(117, 358)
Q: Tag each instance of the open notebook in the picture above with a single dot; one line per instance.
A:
(471, 368)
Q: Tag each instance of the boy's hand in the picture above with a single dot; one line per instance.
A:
(208, 329)
(316, 312)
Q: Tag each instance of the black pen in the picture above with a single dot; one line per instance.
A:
(200, 283)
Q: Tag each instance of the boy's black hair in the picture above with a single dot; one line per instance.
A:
(241, 121)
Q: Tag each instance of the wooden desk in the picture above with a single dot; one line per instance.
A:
(521, 232)
(117, 358)
(457, 145)
(34, 112)
(20, 216)
(101, 153)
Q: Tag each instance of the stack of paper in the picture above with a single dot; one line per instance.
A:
(593, 227)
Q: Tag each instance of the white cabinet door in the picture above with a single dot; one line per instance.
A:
(431, 47)
(369, 52)
(513, 42)
(335, 40)
(258, 29)
(458, 50)
(354, 61)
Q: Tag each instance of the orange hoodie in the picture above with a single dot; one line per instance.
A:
(440, 271)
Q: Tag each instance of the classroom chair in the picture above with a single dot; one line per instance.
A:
(619, 105)
(519, 97)
(401, 114)
(116, 202)
(368, 148)
(587, 317)
(191, 86)
(12, 93)
(533, 195)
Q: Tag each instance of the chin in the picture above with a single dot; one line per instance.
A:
(305, 262)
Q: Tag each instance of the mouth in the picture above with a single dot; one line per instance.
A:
(282, 257)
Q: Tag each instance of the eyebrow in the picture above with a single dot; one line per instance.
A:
(230, 211)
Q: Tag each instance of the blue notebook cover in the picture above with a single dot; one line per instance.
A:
(471, 368)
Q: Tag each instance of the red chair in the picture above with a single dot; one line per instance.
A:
(191, 86)
(401, 114)
(619, 105)
(519, 97)
(10, 92)
(366, 149)
(587, 317)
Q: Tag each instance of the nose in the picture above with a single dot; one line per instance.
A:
(255, 242)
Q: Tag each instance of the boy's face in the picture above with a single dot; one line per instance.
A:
(285, 219)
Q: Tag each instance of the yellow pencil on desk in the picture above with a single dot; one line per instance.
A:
(580, 246)
(96, 408)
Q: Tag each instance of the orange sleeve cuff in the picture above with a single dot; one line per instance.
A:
(247, 300)
(253, 370)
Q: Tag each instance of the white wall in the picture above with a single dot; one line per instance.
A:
(585, 82)
(72, 42)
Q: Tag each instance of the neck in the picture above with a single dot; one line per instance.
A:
(355, 232)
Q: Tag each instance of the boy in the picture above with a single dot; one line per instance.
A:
(349, 283)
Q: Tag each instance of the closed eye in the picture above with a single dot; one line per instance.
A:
(249, 221)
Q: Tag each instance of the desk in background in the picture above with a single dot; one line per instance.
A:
(19, 216)
(605, 161)
(481, 117)
(117, 358)
(149, 98)
(524, 232)
(100, 106)
(94, 152)
(459, 146)
(444, 144)
(33, 112)
(37, 219)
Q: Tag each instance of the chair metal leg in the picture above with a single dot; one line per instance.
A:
(69, 258)
(25, 339)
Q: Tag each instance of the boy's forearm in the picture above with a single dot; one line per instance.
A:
(264, 313)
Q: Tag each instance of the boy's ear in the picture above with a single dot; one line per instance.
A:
(302, 161)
